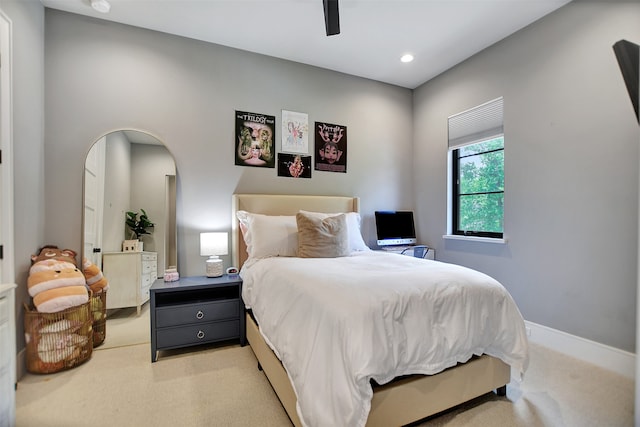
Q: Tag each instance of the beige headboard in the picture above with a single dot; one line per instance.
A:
(273, 204)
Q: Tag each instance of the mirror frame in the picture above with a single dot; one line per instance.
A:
(169, 244)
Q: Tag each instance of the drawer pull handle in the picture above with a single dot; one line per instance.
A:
(200, 334)
(199, 315)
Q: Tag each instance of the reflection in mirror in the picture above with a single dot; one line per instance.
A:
(129, 171)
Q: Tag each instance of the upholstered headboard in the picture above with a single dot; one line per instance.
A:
(274, 204)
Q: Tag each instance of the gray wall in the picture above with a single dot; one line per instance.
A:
(102, 76)
(571, 169)
(28, 147)
(571, 156)
(150, 164)
(117, 190)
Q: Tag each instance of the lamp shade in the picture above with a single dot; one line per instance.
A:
(214, 244)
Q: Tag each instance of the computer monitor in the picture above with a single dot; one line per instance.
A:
(395, 228)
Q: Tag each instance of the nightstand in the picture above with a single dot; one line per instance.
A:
(196, 310)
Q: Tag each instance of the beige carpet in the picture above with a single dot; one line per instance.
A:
(125, 327)
(221, 386)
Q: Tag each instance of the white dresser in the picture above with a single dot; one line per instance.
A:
(7, 356)
(130, 275)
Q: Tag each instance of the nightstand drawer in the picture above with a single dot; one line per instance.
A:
(197, 312)
(198, 334)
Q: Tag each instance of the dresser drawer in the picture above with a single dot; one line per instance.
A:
(197, 334)
(147, 280)
(4, 309)
(149, 267)
(145, 294)
(201, 312)
(149, 256)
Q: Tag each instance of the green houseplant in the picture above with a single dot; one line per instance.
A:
(138, 225)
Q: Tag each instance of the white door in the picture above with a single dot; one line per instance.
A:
(94, 202)
(6, 153)
(7, 304)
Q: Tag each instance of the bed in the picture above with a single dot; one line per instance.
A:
(334, 379)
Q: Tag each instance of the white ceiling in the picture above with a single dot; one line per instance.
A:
(374, 33)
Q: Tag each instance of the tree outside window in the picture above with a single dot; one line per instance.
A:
(478, 176)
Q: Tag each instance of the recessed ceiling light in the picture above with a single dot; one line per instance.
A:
(406, 58)
(101, 6)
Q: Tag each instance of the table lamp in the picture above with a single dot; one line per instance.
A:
(212, 245)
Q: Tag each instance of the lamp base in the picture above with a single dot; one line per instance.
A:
(214, 267)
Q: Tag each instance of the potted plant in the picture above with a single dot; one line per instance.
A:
(138, 226)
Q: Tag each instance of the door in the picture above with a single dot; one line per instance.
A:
(6, 156)
(7, 303)
(94, 202)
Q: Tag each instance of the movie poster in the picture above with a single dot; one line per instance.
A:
(331, 147)
(255, 134)
(295, 132)
(294, 165)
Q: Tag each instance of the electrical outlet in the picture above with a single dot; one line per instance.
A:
(528, 330)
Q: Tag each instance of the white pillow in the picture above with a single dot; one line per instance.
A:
(356, 243)
(269, 235)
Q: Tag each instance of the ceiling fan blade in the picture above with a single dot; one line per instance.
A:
(331, 17)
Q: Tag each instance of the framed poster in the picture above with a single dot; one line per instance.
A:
(294, 165)
(255, 134)
(331, 147)
(295, 132)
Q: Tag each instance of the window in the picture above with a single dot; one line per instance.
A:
(476, 146)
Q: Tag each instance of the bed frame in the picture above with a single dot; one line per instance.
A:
(400, 402)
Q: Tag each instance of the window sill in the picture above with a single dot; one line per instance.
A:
(475, 239)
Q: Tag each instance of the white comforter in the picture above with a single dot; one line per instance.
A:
(337, 323)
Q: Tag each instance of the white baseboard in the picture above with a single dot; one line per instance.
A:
(604, 356)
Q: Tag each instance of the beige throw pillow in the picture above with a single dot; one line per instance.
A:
(322, 238)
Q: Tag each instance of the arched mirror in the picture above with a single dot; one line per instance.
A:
(129, 171)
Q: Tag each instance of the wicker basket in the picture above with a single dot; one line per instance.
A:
(98, 307)
(58, 341)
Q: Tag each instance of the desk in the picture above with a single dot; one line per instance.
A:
(408, 250)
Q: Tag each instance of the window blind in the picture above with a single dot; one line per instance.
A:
(476, 124)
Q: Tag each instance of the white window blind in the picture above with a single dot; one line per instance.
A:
(477, 124)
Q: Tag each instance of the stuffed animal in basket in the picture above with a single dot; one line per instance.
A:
(50, 252)
(57, 290)
(54, 281)
(93, 276)
(50, 264)
(57, 339)
(55, 343)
